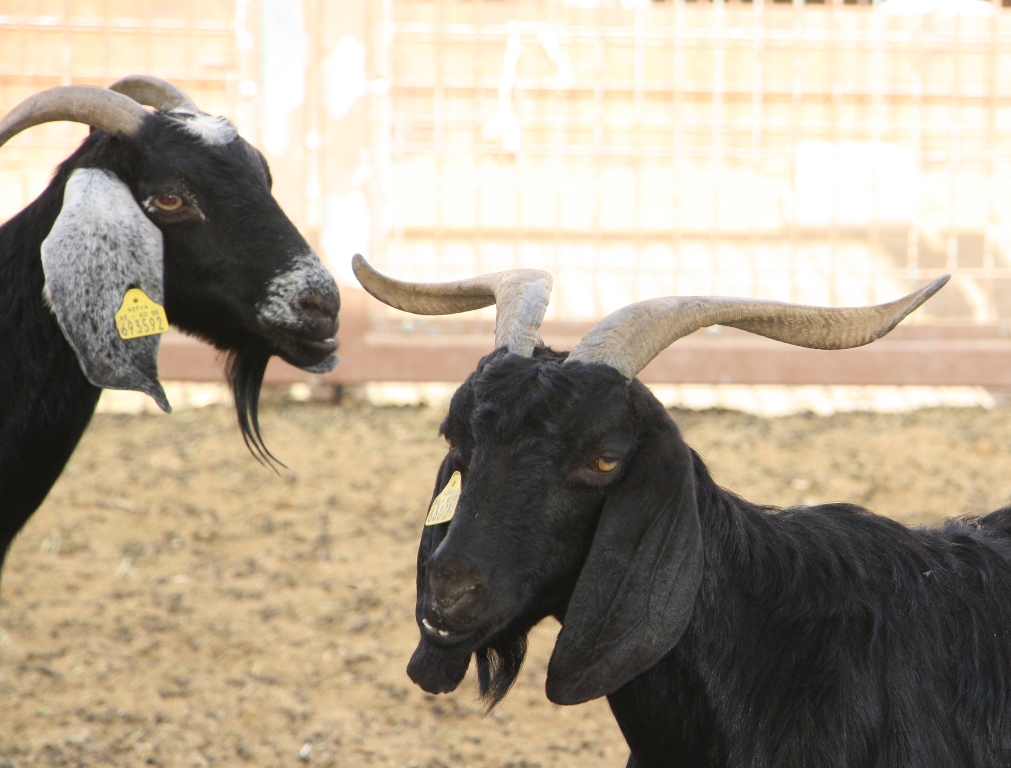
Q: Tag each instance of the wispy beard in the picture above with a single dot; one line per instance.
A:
(244, 369)
(498, 666)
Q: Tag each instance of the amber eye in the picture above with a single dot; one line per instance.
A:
(167, 202)
(449, 440)
(604, 464)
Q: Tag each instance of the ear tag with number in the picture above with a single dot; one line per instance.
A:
(140, 315)
(444, 505)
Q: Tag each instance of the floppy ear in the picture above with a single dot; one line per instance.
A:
(636, 592)
(434, 669)
(100, 246)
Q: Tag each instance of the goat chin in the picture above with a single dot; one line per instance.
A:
(441, 670)
(438, 670)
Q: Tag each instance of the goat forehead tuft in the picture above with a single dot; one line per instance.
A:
(539, 400)
(517, 394)
(525, 382)
(216, 131)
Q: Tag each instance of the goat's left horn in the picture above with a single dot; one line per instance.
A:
(97, 107)
(521, 295)
(629, 338)
(154, 92)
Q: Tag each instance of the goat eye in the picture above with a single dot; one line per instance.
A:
(449, 441)
(167, 202)
(604, 464)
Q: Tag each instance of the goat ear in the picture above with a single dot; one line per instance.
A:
(100, 246)
(636, 592)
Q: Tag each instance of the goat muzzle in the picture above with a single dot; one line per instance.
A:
(299, 313)
(455, 597)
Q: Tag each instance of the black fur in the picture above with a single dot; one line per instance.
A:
(814, 636)
(244, 370)
(216, 270)
(498, 665)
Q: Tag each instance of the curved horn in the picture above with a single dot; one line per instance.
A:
(154, 92)
(522, 296)
(97, 107)
(629, 338)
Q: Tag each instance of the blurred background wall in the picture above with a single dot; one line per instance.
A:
(830, 153)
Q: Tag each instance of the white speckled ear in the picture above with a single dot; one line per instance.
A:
(100, 246)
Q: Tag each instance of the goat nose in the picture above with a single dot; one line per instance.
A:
(320, 305)
(454, 594)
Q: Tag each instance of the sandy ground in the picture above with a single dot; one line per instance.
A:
(174, 603)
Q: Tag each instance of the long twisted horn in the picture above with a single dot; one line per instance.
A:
(522, 296)
(629, 338)
(97, 107)
(154, 92)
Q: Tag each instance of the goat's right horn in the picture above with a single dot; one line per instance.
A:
(521, 295)
(154, 92)
(97, 107)
(630, 337)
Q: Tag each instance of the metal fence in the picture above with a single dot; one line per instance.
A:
(829, 153)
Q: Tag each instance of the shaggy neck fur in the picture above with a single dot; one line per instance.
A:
(827, 636)
(45, 400)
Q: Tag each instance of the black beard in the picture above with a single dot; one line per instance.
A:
(498, 666)
(244, 369)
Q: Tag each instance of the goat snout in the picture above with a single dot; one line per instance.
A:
(320, 305)
(316, 312)
(455, 595)
(302, 299)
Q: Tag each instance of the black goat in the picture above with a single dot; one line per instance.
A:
(722, 633)
(167, 208)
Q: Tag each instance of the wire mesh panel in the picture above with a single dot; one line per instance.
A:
(824, 153)
(45, 43)
(831, 153)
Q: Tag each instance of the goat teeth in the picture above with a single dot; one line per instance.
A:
(430, 628)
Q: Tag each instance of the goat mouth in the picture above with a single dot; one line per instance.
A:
(445, 638)
(312, 354)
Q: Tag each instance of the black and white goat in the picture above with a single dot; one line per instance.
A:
(721, 632)
(167, 209)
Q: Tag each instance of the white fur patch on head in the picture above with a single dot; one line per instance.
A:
(209, 129)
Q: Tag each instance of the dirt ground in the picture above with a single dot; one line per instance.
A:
(174, 603)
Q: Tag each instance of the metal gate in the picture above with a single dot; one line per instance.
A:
(824, 153)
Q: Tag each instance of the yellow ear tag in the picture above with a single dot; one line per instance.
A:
(140, 315)
(444, 505)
